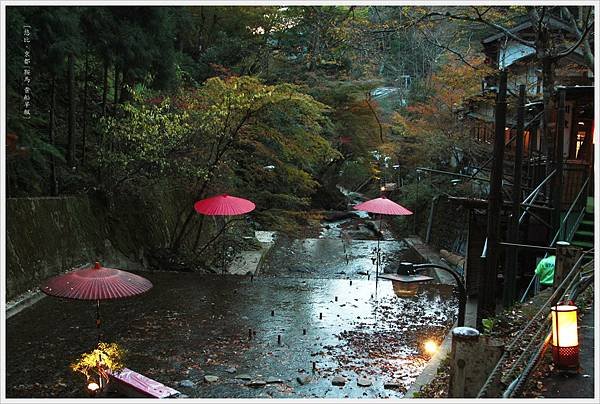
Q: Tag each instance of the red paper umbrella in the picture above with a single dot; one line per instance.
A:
(96, 283)
(224, 205)
(383, 206)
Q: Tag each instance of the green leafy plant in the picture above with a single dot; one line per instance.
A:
(107, 356)
(488, 325)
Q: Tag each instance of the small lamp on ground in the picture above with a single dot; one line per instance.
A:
(565, 339)
(93, 388)
(431, 347)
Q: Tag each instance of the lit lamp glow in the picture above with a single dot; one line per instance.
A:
(402, 289)
(565, 340)
(93, 388)
(430, 347)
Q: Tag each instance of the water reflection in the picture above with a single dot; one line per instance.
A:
(194, 325)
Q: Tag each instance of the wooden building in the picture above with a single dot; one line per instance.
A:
(574, 83)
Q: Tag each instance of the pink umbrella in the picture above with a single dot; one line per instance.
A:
(223, 205)
(383, 206)
(96, 283)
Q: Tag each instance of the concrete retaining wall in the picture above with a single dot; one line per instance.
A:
(48, 236)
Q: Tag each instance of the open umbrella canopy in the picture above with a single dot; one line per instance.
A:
(383, 206)
(96, 283)
(224, 205)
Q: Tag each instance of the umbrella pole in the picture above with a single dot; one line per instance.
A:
(223, 245)
(378, 250)
(98, 318)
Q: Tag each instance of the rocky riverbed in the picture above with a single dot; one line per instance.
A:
(310, 324)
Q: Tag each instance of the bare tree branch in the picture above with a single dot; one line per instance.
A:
(589, 55)
(435, 42)
(479, 19)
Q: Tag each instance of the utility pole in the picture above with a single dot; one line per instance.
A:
(511, 263)
(486, 306)
(558, 158)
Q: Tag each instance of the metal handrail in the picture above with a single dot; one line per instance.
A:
(531, 197)
(575, 202)
(568, 281)
(573, 291)
(531, 283)
(555, 239)
(577, 222)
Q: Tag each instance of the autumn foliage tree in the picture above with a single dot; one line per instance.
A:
(220, 135)
(434, 121)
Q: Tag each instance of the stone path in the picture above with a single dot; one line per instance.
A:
(248, 262)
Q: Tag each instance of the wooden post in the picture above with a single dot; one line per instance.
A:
(510, 268)
(558, 158)
(486, 306)
(434, 202)
(566, 257)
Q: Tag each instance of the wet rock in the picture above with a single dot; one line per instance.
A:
(187, 383)
(256, 383)
(231, 370)
(244, 376)
(364, 382)
(338, 381)
(304, 379)
(273, 380)
(211, 378)
(392, 385)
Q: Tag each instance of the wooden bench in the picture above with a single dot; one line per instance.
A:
(133, 384)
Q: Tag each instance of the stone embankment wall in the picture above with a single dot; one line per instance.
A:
(450, 223)
(48, 236)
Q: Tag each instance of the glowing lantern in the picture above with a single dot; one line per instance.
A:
(402, 289)
(431, 347)
(565, 341)
(93, 386)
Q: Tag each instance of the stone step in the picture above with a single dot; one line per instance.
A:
(589, 207)
(584, 234)
(583, 244)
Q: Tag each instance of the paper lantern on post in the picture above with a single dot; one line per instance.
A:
(565, 339)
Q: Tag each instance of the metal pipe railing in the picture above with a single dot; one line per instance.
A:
(567, 283)
(531, 197)
(537, 247)
(512, 139)
(573, 204)
(555, 239)
(515, 388)
(577, 221)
